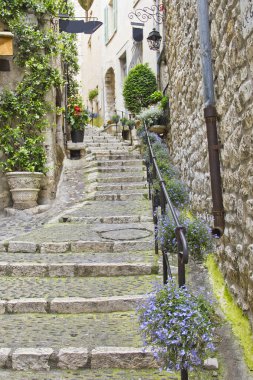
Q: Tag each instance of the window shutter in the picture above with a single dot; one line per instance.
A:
(106, 24)
(115, 15)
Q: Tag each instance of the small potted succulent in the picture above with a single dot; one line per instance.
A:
(77, 118)
(115, 119)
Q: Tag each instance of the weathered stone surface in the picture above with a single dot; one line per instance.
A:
(2, 246)
(91, 246)
(122, 357)
(94, 305)
(61, 247)
(62, 270)
(36, 359)
(211, 364)
(22, 246)
(3, 268)
(112, 269)
(132, 246)
(4, 356)
(72, 358)
(27, 305)
(2, 306)
(28, 269)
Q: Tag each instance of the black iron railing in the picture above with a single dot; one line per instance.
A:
(162, 199)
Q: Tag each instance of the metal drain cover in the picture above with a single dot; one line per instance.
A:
(126, 234)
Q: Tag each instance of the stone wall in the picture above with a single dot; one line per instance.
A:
(54, 143)
(232, 41)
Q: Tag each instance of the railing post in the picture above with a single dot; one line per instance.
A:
(155, 205)
(184, 374)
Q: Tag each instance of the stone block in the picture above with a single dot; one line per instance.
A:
(211, 364)
(28, 269)
(91, 246)
(72, 358)
(122, 357)
(123, 246)
(112, 269)
(55, 247)
(4, 356)
(3, 268)
(2, 306)
(2, 246)
(22, 246)
(27, 305)
(62, 270)
(36, 359)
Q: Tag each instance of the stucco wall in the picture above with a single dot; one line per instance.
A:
(233, 74)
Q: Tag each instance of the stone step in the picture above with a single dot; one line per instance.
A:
(129, 186)
(104, 209)
(114, 169)
(35, 358)
(70, 305)
(106, 144)
(72, 269)
(108, 219)
(84, 287)
(114, 156)
(98, 259)
(119, 178)
(120, 150)
(121, 195)
(87, 374)
(123, 163)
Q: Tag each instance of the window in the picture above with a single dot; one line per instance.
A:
(110, 20)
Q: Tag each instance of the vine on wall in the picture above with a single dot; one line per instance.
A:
(24, 111)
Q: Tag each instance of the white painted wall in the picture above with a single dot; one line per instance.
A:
(96, 57)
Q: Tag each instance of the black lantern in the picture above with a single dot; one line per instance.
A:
(154, 40)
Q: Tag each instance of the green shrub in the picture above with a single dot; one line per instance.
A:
(139, 85)
(93, 94)
(156, 97)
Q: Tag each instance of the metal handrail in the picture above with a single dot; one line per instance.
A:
(179, 230)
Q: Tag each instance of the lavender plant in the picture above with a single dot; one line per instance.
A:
(178, 325)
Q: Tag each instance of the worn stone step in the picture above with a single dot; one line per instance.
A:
(115, 169)
(121, 186)
(119, 150)
(106, 144)
(105, 163)
(89, 374)
(120, 195)
(45, 358)
(84, 287)
(72, 269)
(89, 330)
(70, 305)
(101, 258)
(123, 177)
(108, 219)
(114, 156)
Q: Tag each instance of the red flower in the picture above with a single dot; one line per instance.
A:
(77, 109)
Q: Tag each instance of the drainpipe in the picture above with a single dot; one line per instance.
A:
(211, 117)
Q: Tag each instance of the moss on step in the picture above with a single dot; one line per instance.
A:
(239, 322)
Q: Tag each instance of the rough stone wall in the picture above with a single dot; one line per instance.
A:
(54, 143)
(233, 75)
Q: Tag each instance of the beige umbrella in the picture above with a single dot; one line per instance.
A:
(86, 4)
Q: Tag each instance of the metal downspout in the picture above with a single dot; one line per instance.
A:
(211, 117)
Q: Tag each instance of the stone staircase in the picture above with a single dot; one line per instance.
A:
(69, 289)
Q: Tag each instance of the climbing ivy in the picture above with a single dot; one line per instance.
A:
(38, 47)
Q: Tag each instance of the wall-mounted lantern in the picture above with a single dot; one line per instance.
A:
(6, 50)
(154, 40)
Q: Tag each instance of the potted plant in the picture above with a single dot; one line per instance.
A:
(179, 326)
(92, 95)
(77, 118)
(115, 119)
(23, 161)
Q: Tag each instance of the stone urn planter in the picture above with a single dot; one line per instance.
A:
(24, 187)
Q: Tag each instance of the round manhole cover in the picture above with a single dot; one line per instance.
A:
(126, 234)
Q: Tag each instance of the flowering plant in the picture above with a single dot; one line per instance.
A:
(178, 325)
(77, 116)
(198, 235)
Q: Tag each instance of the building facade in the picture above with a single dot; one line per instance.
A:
(107, 56)
(231, 24)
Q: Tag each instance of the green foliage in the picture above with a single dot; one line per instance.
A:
(115, 118)
(123, 121)
(77, 115)
(131, 124)
(25, 109)
(156, 97)
(151, 115)
(164, 102)
(93, 94)
(139, 85)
